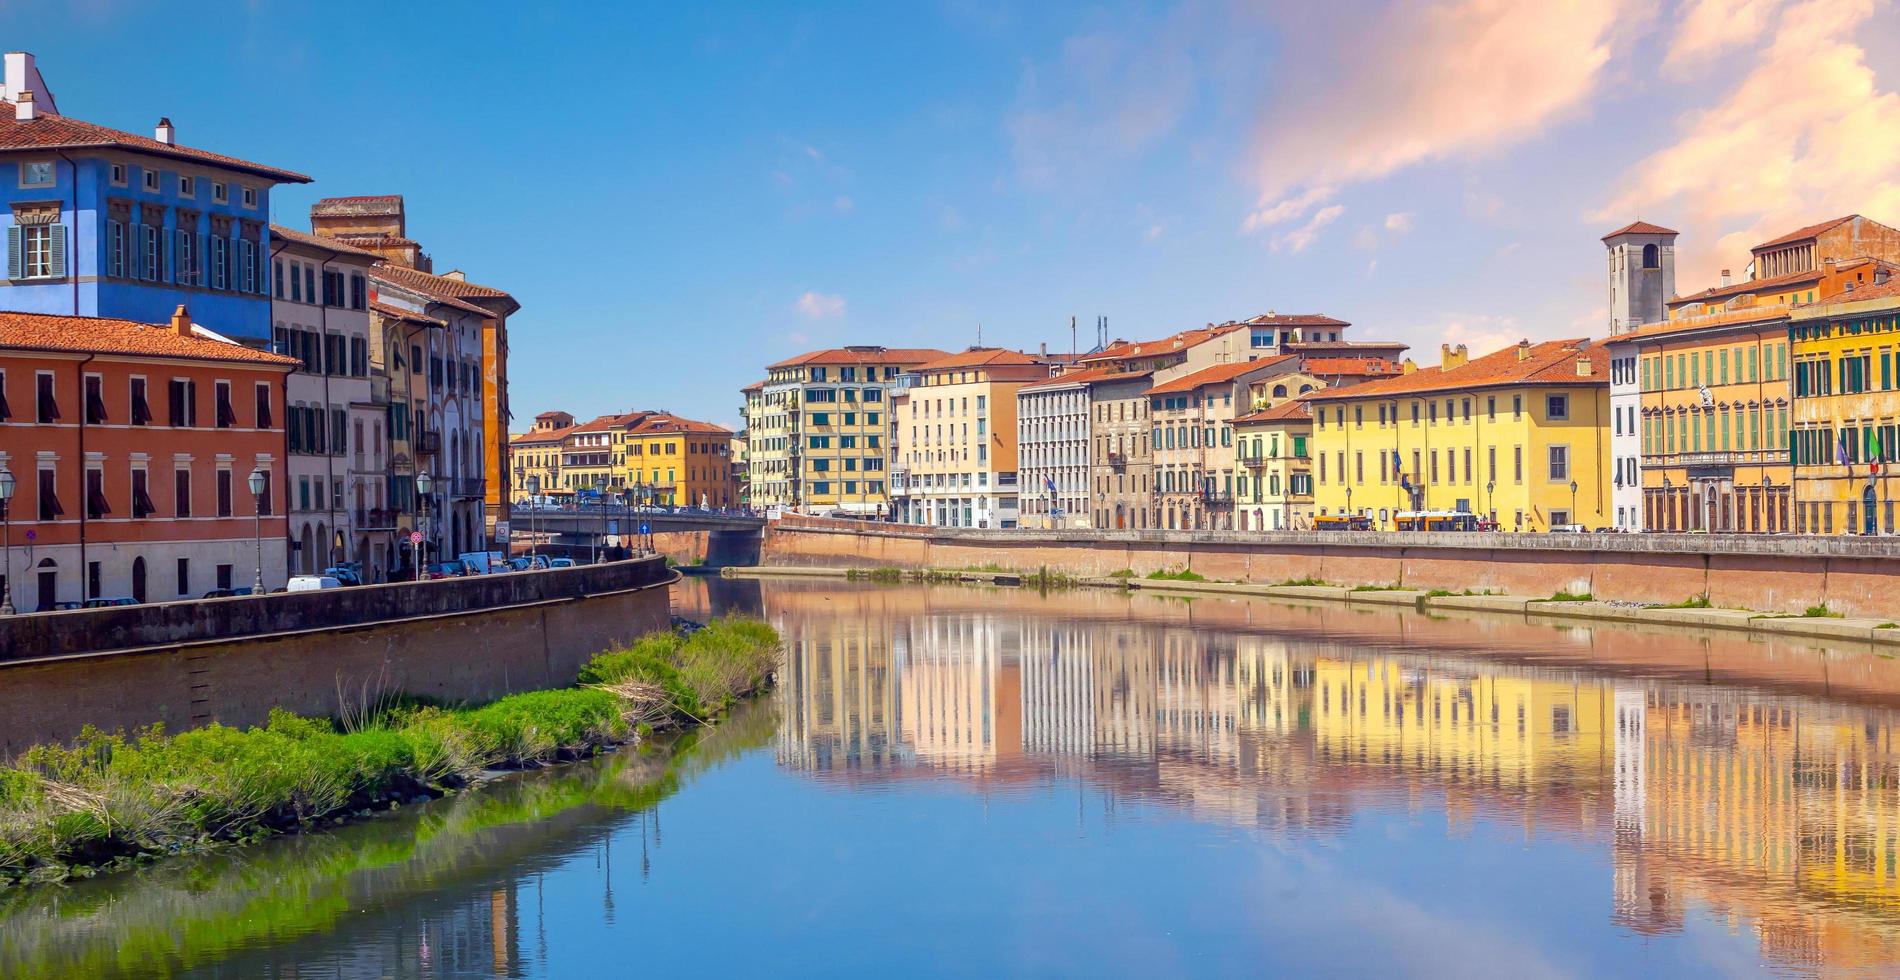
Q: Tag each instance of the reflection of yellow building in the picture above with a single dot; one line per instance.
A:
(1521, 435)
(960, 705)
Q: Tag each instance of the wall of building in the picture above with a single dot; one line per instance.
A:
(233, 660)
(1857, 578)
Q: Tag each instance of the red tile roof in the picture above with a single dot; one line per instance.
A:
(538, 436)
(398, 313)
(1293, 410)
(418, 283)
(1802, 234)
(661, 423)
(1641, 228)
(56, 333)
(1860, 293)
(1271, 319)
(308, 240)
(863, 355)
(1553, 362)
(982, 357)
(754, 386)
(1768, 285)
(602, 423)
(1745, 317)
(1217, 374)
(1359, 367)
(55, 132)
(1125, 349)
(1088, 376)
(451, 285)
(376, 241)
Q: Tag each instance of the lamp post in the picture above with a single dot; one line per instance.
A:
(259, 483)
(1768, 502)
(1669, 504)
(1573, 501)
(423, 486)
(600, 488)
(6, 540)
(1490, 500)
(534, 537)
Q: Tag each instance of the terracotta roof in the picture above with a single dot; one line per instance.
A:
(1354, 366)
(1744, 317)
(538, 436)
(1641, 228)
(1217, 374)
(1801, 234)
(55, 132)
(602, 423)
(1087, 376)
(1768, 285)
(660, 423)
(369, 205)
(398, 313)
(308, 240)
(1551, 362)
(1293, 410)
(100, 335)
(374, 241)
(754, 386)
(863, 355)
(1860, 293)
(982, 357)
(1271, 319)
(451, 286)
(1124, 349)
(1347, 346)
(383, 274)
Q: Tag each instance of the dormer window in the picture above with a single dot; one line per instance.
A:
(37, 173)
(219, 193)
(187, 187)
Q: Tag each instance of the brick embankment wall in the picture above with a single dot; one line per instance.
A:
(1857, 577)
(455, 640)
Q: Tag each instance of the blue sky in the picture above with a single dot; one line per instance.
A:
(679, 194)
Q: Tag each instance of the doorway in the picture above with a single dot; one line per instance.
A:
(1870, 522)
(138, 579)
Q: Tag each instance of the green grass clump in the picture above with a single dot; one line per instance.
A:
(1378, 588)
(1820, 612)
(115, 797)
(1123, 573)
(1693, 602)
(1562, 596)
(1184, 575)
(875, 575)
(1308, 580)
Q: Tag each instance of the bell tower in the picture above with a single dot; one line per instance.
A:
(1642, 268)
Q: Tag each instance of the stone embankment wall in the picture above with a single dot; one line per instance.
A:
(186, 664)
(1857, 577)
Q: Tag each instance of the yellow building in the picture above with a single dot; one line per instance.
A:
(956, 425)
(1275, 488)
(677, 462)
(590, 454)
(1521, 435)
(1846, 355)
(534, 456)
(820, 428)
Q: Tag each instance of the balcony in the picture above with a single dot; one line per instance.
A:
(1252, 457)
(466, 486)
(428, 442)
(1217, 498)
(375, 519)
(1118, 460)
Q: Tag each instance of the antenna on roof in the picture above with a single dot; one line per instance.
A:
(979, 334)
(1072, 336)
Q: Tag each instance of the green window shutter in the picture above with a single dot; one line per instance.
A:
(56, 250)
(13, 252)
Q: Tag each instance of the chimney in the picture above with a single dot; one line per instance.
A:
(1451, 358)
(181, 321)
(1584, 367)
(1408, 367)
(1524, 350)
(166, 134)
(1880, 276)
(23, 108)
(1725, 279)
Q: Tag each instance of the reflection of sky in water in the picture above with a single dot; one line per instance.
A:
(960, 781)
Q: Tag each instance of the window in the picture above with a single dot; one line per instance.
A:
(37, 173)
(1559, 464)
(278, 271)
(264, 420)
(184, 576)
(48, 407)
(150, 181)
(141, 498)
(226, 416)
(224, 493)
(181, 491)
(96, 505)
(219, 192)
(1652, 257)
(36, 251)
(118, 175)
(187, 187)
(183, 403)
(95, 400)
(249, 197)
(1557, 407)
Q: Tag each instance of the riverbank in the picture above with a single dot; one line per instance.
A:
(1813, 623)
(113, 800)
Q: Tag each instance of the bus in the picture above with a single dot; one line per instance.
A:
(1342, 522)
(1438, 520)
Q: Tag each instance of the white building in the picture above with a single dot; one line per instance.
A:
(1052, 426)
(333, 432)
(1641, 274)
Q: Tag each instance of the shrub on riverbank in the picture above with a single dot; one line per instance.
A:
(111, 797)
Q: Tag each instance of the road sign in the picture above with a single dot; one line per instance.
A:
(415, 537)
(501, 530)
(646, 528)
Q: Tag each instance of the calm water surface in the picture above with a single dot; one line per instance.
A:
(972, 781)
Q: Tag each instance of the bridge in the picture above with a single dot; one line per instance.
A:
(731, 539)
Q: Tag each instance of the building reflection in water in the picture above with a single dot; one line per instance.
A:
(1779, 814)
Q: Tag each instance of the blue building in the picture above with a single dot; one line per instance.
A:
(101, 222)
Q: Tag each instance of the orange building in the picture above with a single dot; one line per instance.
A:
(131, 446)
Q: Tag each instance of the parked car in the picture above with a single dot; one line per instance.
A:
(560, 563)
(446, 569)
(67, 604)
(102, 602)
(313, 583)
(1568, 529)
(344, 574)
(527, 563)
(228, 593)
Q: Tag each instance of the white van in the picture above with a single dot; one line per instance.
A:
(312, 583)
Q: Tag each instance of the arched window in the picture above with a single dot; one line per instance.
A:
(1279, 391)
(1652, 257)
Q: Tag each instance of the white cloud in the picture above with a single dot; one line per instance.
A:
(843, 204)
(1299, 238)
(1399, 222)
(1364, 94)
(1152, 232)
(1807, 134)
(820, 306)
(1711, 26)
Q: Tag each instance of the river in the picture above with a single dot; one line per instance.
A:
(974, 781)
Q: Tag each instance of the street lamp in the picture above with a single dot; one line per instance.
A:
(1668, 504)
(259, 483)
(6, 540)
(600, 488)
(1573, 501)
(534, 537)
(423, 486)
(1490, 500)
(1768, 501)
